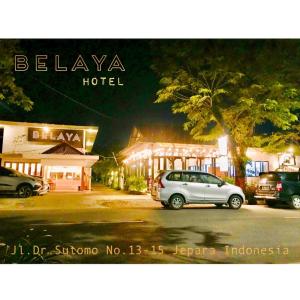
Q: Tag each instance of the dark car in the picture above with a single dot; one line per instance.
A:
(279, 187)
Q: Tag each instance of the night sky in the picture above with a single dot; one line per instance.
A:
(120, 108)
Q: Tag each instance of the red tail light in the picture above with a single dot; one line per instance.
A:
(279, 186)
(160, 184)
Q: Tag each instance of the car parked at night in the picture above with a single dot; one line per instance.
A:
(177, 188)
(14, 182)
(279, 187)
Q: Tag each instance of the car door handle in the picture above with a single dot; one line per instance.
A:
(184, 184)
(208, 185)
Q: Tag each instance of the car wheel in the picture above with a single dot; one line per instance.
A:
(219, 205)
(271, 203)
(25, 191)
(164, 204)
(295, 202)
(176, 202)
(235, 202)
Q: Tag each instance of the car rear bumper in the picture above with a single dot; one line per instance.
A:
(263, 197)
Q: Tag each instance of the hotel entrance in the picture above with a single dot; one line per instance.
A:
(64, 177)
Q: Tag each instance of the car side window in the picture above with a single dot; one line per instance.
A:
(174, 176)
(206, 178)
(191, 177)
(291, 176)
(5, 172)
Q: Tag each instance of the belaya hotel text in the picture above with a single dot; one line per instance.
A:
(99, 63)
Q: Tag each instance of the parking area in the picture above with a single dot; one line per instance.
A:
(145, 232)
(99, 197)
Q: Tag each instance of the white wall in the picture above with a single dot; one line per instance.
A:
(256, 154)
(15, 141)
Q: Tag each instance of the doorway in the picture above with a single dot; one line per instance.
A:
(1, 139)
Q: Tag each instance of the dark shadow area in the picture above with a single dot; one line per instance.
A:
(10, 196)
(280, 206)
(128, 237)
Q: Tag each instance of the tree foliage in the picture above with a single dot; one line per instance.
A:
(235, 88)
(10, 92)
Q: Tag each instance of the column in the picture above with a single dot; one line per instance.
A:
(213, 165)
(152, 168)
(165, 163)
(82, 179)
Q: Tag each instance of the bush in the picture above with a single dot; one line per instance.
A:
(249, 193)
(229, 180)
(136, 184)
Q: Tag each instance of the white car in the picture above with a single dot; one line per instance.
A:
(177, 188)
(14, 182)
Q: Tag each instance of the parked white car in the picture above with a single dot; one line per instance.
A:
(177, 188)
(14, 182)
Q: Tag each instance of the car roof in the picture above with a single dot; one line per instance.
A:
(186, 171)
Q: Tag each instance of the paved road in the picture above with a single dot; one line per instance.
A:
(140, 231)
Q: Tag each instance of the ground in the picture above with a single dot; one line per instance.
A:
(107, 226)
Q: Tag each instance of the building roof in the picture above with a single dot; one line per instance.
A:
(63, 148)
(160, 134)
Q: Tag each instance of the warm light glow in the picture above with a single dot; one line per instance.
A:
(223, 163)
(223, 145)
(291, 150)
(90, 130)
(46, 129)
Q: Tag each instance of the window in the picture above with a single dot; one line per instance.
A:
(26, 168)
(7, 165)
(20, 167)
(38, 169)
(5, 172)
(56, 175)
(174, 176)
(206, 178)
(191, 177)
(261, 166)
(34, 169)
(253, 168)
(72, 176)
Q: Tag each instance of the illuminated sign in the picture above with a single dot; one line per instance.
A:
(46, 135)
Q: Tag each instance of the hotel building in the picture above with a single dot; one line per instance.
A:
(151, 150)
(58, 153)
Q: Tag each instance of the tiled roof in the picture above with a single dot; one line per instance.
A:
(63, 148)
(161, 133)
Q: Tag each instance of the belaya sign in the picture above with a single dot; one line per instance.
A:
(73, 137)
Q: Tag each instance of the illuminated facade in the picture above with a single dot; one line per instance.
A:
(147, 154)
(58, 153)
